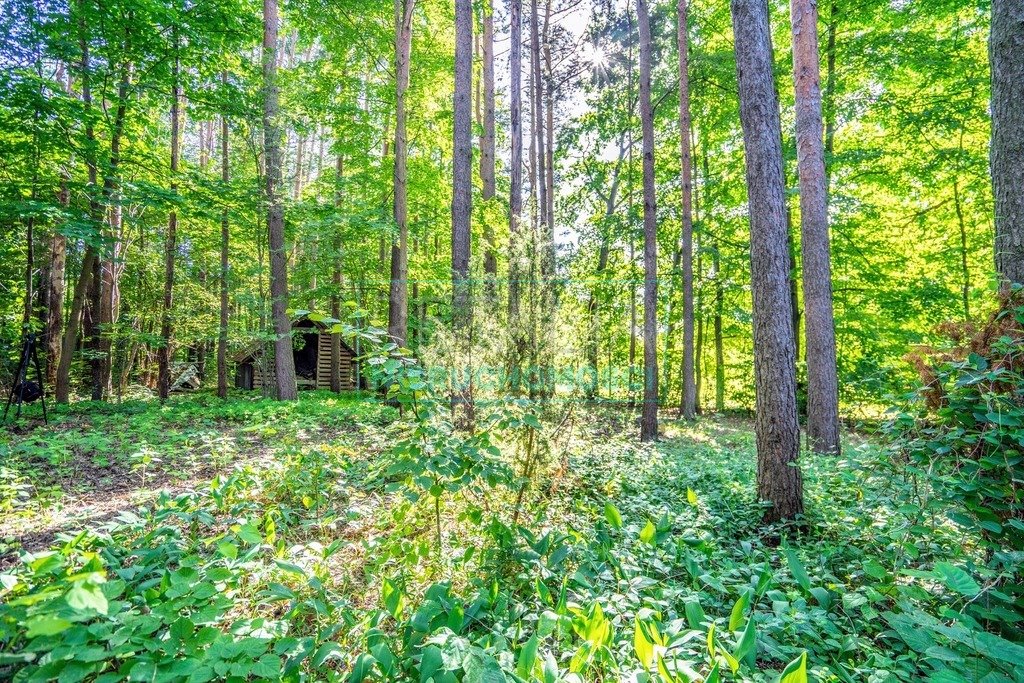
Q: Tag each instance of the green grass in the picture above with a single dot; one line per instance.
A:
(290, 548)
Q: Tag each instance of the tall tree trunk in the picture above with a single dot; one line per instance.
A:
(107, 293)
(163, 383)
(284, 360)
(549, 153)
(537, 95)
(54, 285)
(689, 407)
(610, 205)
(487, 168)
(85, 279)
(777, 431)
(337, 282)
(719, 345)
(649, 414)
(1006, 54)
(398, 298)
(462, 195)
(965, 272)
(516, 186)
(300, 148)
(819, 325)
(222, 332)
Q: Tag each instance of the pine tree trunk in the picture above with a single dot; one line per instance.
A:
(649, 414)
(549, 153)
(462, 196)
(1006, 54)
(336, 280)
(719, 346)
(537, 95)
(284, 360)
(487, 168)
(222, 332)
(170, 242)
(54, 287)
(516, 159)
(84, 284)
(398, 296)
(777, 430)
(106, 288)
(822, 379)
(689, 407)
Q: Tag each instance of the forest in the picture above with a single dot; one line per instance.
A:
(512, 341)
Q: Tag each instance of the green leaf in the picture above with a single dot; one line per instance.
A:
(694, 613)
(86, 595)
(430, 662)
(643, 647)
(527, 658)
(362, 668)
(611, 514)
(228, 550)
(327, 651)
(648, 533)
(250, 534)
(795, 671)
(747, 641)
(736, 618)
(957, 579)
(797, 569)
(394, 599)
(46, 626)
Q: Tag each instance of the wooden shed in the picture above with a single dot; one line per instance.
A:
(311, 344)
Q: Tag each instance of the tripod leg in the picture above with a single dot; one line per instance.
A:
(39, 378)
(22, 372)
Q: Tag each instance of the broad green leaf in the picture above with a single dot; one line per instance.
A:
(797, 569)
(46, 625)
(957, 579)
(795, 671)
(611, 513)
(86, 595)
(736, 617)
(648, 533)
(643, 647)
(747, 641)
(362, 668)
(527, 658)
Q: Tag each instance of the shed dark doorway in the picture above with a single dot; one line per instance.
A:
(305, 355)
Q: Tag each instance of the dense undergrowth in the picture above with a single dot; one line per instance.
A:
(345, 539)
(318, 561)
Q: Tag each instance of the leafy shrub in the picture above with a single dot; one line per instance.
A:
(963, 432)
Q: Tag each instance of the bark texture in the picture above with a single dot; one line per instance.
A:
(819, 323)
(516, 159)
(84, 281)
(689, 406)
(487, 170)
(398, 297)
(1006, 54)
(225, 236)
(336, 280)
(163, 384)
(777, 431)
(284, 361)
(462, 196)
(649, 414)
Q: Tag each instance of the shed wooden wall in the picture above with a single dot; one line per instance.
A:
(323, 364)
(323, 367)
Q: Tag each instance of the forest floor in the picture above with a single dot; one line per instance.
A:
(265, 540)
